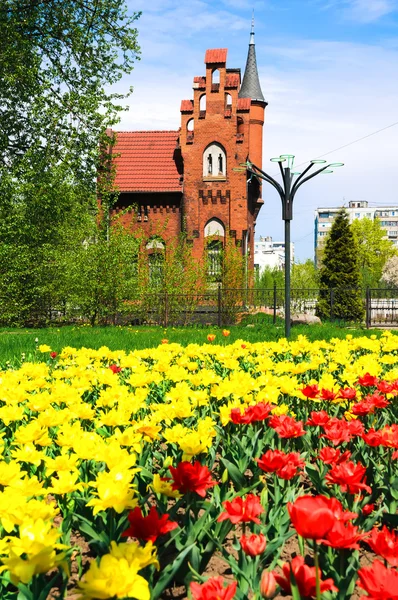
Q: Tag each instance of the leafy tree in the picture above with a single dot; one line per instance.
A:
(374, 249)
(340, 272)
(390, 272)
(57, 63)
(270, 277)
(304, 275)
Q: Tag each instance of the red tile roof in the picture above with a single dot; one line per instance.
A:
(232, 80)
(186, 106)
(218, 55)
(243, 104)
(146, 162)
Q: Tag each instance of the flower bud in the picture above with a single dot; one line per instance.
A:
(267, 584)
(253, 544)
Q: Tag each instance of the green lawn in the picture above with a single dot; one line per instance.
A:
(15, 342)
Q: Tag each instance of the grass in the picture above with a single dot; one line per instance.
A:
(16, 342)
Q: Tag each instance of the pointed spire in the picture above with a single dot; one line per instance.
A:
(251, 87)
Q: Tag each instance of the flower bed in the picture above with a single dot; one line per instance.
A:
(161, 460)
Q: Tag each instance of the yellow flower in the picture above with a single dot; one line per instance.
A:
(113, 491)
(136, 555)
(161, 486)
(113, 578)
(44, 348)
(65, 483)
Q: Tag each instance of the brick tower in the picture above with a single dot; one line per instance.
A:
(220, 128)
(186, 180)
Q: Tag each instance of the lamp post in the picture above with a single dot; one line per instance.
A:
(291, 181)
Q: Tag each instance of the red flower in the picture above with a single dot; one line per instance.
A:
(213, 589)
(272, 460)
(340, 514)
(253, 544)
(242, 511)
(355, 427)
(305, 578)
(350, 477)
(191, 478)
(365, 407)
(348, 393)
(328, 394)
(379, 582)
(258, 412)
(115, 368)
(267, 584)
(390, 435)
(384, 387)
(368, 380)
(368, 509)
(310, 391)
(385, 543)
(318, 418)
(311, 516)
(286, 427)
(53, 354)
(333, 456)
(378, 400)
(148, 528)
(211, 337)
(344, 536)
(373, 438)
(336, 431)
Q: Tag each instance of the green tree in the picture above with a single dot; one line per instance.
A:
(269, 277)
(304, 275)
(340, 272)
(374, 250)
(57, 65)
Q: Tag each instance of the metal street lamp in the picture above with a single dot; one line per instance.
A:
(292, 180)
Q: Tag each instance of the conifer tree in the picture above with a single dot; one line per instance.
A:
(340, 272)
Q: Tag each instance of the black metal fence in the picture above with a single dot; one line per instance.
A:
(223, 307)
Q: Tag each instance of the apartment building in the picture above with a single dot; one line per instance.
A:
(356, 209)
(268, 253)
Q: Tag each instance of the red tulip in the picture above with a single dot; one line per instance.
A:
(148, 528)
(318, 418)
(344, 536)
(267, 584)
(53, 354)
(384, 543)
(213, 589)
(336, 431)
(242, 511)
(211, 337)
(310, 391)
(286, 427)
(333, 456)
(311, 516)
(115, 368)
(368, 380)
(191, 478)
(350, 477)
(253, 544)
(328, 394)
(348, 393)
(368, 509)
(373, 438)
(305, 578)
(379, 582)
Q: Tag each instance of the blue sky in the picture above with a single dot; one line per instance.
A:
(328, 69)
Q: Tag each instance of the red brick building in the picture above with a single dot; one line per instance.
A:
(187, 180)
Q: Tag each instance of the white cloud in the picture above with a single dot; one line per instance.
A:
(363, 11)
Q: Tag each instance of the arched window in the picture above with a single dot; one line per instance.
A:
(156, 251)
(214, 260)
(202, 106)
(240, 125)
(215, 76)
(214, 227)
(190, 130)
(214, 161)
(228, 101)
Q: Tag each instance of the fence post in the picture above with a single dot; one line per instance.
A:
(166, 309)
(219, 305)
(368, 307)
(274, 315)
(331, 304)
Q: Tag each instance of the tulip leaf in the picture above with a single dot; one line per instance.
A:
(237, 477)
(168, 573)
